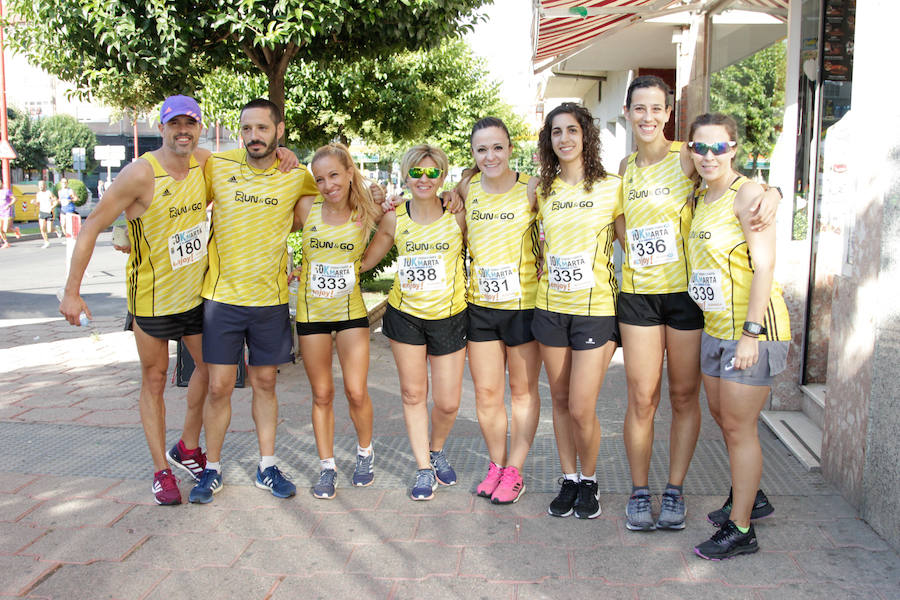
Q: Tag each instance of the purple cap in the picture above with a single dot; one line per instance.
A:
(180, 105)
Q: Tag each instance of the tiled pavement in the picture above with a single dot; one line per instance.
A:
(77, 518)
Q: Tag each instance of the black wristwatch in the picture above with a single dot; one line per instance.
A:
(754, 329)
(777, 189)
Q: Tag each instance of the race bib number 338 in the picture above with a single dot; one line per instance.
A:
(421, 272)
(570, 273)
(188, 246)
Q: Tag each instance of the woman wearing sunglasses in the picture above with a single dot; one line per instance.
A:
(502, 240)
(657, 317)
(746, 331)
(426, 313)
(336, 225)
(574, 317)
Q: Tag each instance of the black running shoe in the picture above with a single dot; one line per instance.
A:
(587, 506)
(564, 503)
(761, 509)
(727, 542)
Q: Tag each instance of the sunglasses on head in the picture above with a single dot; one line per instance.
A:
(719, 148)
(429, 172)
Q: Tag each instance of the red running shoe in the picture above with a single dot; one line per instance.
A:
(192, 462)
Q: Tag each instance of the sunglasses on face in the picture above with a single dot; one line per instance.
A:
(719, 148)
(429, 172)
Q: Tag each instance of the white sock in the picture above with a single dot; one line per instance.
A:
(328, 463)
(364, 451)
(571, 476)
(215, 466)
(591, 478)
(265, 462)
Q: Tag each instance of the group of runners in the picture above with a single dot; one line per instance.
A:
(539, 288)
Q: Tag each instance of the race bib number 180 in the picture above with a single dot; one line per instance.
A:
(421, 272)
(330, 280)
(705, 288)
(570, 273)
(652, 245)
(188, 246)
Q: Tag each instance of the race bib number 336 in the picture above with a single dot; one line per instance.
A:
(421, 272)
(188, 246)
(570, 273)
(652, 245)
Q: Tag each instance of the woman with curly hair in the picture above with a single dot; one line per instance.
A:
(575, 312)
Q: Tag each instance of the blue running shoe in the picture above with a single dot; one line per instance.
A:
(274, 480)
(325, 489)
(364, 473)
(445, 473)
(210, 483)
(424, 486)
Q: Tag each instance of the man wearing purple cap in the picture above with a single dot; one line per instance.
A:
(163, 195)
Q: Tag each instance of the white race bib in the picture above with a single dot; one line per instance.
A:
(652, 245)
(328, 280)
(499, 283)
(188, 246)
(570, 273)
(705, 288)
(421, 272)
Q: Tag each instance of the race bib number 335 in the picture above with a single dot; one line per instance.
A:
(421, 272)
(188, 246)
(570, 273)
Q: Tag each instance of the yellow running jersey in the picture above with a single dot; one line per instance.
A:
(431, 281)
(503, 243)
(656, 202)
(329, 283)
(722, 270)
(253, 212)
(579, 277)
(168, 255)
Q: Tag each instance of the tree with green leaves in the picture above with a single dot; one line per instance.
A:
(752, 91)
(171, 44)
(24, 136)
(59, 134)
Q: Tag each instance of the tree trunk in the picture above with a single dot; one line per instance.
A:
(275, 75)
(274, 63)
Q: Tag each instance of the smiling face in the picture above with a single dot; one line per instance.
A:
(711, 167)
(332, 179)
(566, 138)
(181, 134)
(259, 132)
(491, 150)
(648, 114)
(424, 188)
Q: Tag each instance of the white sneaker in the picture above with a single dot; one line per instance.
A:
(45, 245)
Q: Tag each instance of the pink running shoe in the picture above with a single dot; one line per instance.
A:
(486, 488)
(165, 488)
(510, 488)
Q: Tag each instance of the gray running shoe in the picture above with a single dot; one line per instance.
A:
(672, 511)
(424, 485)
(325, 489)
(637, 513)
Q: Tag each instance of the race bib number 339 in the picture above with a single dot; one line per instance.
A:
(705, 288)
(188, 246)
(331, 280)
(421, 272)
(570, 273)
(652, 245)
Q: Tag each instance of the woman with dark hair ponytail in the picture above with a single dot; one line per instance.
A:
(574, 317)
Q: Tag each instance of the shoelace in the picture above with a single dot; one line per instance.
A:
(669, 502)
(440, 461)
(277, 475)
(642, 503)
(569, 490)
(509, 478)
(207, 478)
(424, 478)
(724, 533)
(327, 476)
(364, 463)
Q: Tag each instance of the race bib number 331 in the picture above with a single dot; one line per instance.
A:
(499, 283)
(421, 272)
(188, 246)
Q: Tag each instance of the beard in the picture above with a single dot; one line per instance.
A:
(268, 149)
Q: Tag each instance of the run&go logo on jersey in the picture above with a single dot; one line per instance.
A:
(240, 196)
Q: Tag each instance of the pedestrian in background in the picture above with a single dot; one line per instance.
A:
(6, 215)
(46, 201)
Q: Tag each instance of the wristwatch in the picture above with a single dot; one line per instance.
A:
(754, 329)
(777, 189)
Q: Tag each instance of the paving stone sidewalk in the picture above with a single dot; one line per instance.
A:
(77, 518)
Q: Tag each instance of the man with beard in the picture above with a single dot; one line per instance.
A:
(245, 288)
(163, 196)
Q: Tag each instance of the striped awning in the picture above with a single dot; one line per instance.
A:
(563, 27)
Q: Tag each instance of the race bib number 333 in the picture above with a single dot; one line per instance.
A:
(421, 272)
(331, 280)
(570, 273)
(188, 246)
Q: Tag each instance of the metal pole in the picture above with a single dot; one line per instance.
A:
(4, 132)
